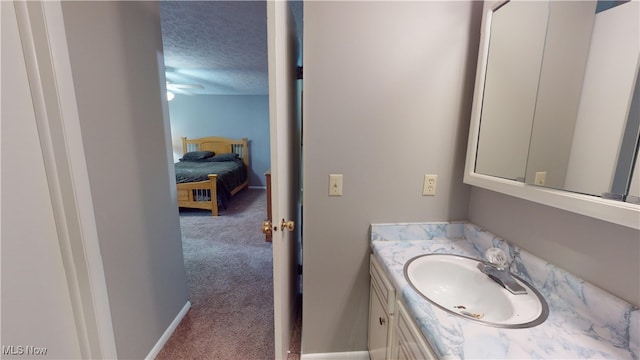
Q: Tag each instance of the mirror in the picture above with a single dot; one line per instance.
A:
(560, 77)
(510, 88)
(553, 110)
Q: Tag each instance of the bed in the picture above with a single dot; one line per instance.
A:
(211, 171)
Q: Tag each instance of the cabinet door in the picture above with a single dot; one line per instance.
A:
(383, 285)
(408, 342)
(378, 326)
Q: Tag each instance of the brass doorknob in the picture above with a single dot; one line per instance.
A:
(289, 225)
(266, 227)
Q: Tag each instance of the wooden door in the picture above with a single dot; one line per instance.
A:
(285, 169)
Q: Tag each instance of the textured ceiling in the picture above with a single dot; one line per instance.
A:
(220, 45)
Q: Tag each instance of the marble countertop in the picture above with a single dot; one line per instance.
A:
(584, 321)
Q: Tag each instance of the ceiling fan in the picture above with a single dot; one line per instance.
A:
(183, 89)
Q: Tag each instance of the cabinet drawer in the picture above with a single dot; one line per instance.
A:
(382, 284)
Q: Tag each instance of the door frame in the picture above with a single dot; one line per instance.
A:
(44, 43)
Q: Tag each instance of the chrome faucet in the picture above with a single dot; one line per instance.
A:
(496, 268)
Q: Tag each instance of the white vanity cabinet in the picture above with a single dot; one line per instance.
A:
(392, 332)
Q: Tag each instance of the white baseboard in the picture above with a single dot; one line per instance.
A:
(351, 355)
(167, 333)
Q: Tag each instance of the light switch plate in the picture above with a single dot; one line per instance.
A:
(335, 184)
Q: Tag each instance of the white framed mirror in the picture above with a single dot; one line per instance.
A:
(494, 99)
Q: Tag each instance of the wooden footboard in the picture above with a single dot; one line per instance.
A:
(190, 194)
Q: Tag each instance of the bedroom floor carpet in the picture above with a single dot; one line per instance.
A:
(230, 281)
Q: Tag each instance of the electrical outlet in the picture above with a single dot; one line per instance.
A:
(335, 184)
(541, 178)
(429, 187)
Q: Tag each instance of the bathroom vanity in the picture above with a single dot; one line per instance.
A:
(583, 322)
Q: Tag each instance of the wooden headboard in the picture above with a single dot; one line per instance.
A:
(218, 145)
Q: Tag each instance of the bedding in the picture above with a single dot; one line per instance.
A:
(231, 171)
(197, 155)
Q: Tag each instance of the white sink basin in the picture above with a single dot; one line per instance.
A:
(455, 284)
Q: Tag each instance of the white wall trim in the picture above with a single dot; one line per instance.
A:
(49, 69)
(167, 333)
(350, 355)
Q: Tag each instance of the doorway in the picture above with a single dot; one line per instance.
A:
(195, 113)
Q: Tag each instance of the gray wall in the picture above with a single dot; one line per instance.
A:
(602, 253)
(115, 49)
(387, 99)
(232, 116)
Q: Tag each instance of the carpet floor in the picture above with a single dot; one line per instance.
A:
(230, 280)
